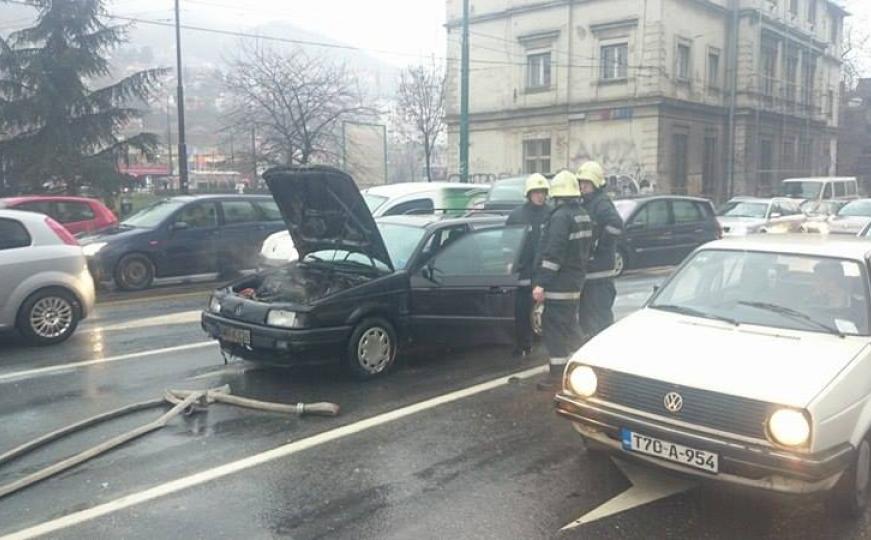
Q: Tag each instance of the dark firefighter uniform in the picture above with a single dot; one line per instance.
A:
(533, 216)
(597, 302)
(560, 271)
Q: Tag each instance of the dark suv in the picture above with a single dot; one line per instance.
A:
(663, 229)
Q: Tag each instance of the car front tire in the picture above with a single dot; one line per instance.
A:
(49, 316)
(372, 348)
(619, 262)
(851, 494)
(134, 273)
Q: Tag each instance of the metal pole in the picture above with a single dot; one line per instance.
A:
(169, 135)
(182, 143)
(733, 98)
(254, 179)
(385, 153)
(464, 98)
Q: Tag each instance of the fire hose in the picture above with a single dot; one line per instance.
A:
(183, 402)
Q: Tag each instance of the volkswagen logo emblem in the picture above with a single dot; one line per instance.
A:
(673, 402)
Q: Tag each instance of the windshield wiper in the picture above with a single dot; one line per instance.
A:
(686, 310)
(795, 314)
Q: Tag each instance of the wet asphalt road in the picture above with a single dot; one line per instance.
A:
(423, 453)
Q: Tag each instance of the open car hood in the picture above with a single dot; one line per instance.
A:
(324, 210)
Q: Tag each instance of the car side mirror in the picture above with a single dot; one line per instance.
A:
(428, 272)
(775, 215)
(179, 226)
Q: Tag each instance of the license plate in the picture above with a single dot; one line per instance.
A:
(240, 336)
(677, 453)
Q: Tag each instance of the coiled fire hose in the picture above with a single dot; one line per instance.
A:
(183, 401)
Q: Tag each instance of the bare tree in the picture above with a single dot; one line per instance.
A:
(856, 54)
(421, 106)
(295, 103)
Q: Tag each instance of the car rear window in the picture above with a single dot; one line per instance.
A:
(270, 210)
(686, 212)
(239, 212)
(71, 212)
(13, 234)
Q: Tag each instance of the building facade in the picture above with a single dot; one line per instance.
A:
(654, 89)
(854, 142)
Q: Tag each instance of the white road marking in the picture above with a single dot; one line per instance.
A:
(262, 458)
(58, 368)
(648, 485)
(182, 317)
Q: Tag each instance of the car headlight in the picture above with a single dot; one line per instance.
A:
(582, 381)
(282, 318)
(789, 427)
(214, 305)
(92, 249)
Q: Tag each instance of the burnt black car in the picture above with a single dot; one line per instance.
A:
(362, 289)
(663, 229)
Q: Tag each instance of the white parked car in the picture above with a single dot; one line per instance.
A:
(750, 366)
(749, 215)
(45, 286)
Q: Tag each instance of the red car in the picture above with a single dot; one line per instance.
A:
(77, 214)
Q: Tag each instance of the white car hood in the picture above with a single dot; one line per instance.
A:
(767, 364)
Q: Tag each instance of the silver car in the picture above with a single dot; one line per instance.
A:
(45, 286)
(850, 219)
(749, 215)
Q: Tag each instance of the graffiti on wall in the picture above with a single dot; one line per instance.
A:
(623, 167)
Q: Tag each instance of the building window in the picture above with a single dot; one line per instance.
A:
(835, 24)
(791, 80)
(787, 157)
(766, 164)
(536, 156)
(830, 104)
(679, 146)
(538, 71)
(808, 71)
(769, 66)
(713, 69)
(793, 8)
(709, 167)
(812, 11)
(683, 62)
(805, 148)
(615, 61)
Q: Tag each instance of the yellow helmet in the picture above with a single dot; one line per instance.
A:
(536, 182)
(565, 184)
(592, 172)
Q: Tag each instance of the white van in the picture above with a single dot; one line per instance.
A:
(821, 188)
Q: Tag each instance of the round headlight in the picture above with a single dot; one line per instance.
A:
(583, 381)
(789, 427)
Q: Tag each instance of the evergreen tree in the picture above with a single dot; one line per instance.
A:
(54, 127)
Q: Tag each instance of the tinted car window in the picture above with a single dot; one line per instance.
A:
(442, 238)
(481, 253)
(270, 210)
(13, 234)
(71, 212)
(653, 214)
(40, 207)
(840, 189)
(417, 206)
(198, 216)
(686, 212)
(239, 212)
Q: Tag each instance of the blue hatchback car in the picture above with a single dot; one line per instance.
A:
(183, 237)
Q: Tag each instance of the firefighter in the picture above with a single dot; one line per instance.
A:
(559, 273)
(597, 302)
(533, 215)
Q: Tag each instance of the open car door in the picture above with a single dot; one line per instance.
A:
(465, 294)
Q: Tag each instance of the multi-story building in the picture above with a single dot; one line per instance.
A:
(654, 89)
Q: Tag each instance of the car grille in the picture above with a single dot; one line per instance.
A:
(713, 410)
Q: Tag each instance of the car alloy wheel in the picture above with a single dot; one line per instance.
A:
(374, 350)
(134, 273)
(51, 317)
(619, 263)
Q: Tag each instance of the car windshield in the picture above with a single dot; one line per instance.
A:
(809, 189)
(507, 191)
(856, 209)
(797, 292)
(625, 208)
(373, 201)
(401, 241)
(153, 215)
(744, 209)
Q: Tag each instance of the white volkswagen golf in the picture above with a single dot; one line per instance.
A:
(751, 365)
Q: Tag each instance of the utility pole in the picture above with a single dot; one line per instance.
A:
(169, 136)
(254, 180)
(182, 143)
(733, 97)
(464, 98)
